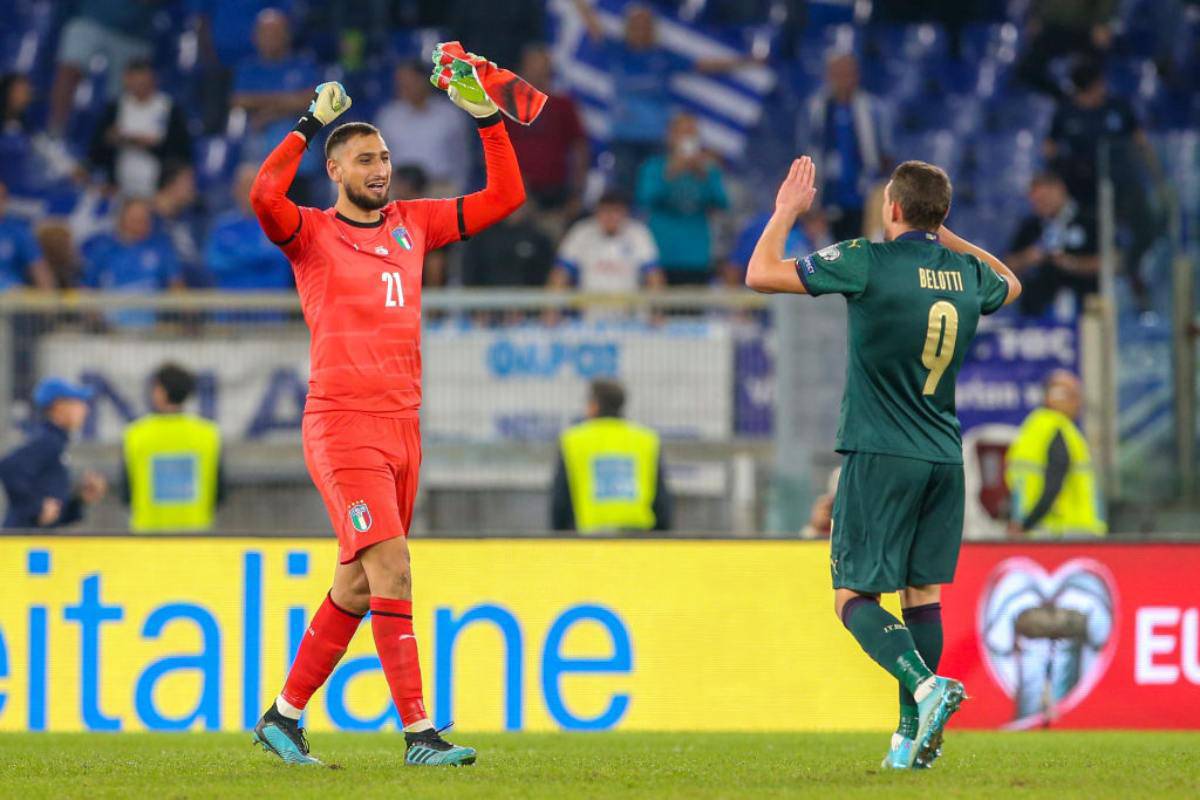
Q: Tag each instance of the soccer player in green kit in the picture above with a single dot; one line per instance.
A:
(914, 302)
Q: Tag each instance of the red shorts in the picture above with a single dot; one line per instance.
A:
(366, 468)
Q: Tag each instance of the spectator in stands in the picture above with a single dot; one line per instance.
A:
(679, 192)
(497, 30)
(239, 256)
(269, 87)
(16, 96)
(733, 270)
(1054, 248)
(180, 216)
(1062, 28)
(554, 152)
(224, 36)
(171, 475)
(35, 475)
(848, 135)
(1090, 119)
(31, 165)
(352, 31)
(1083, 122)
(610, 475)
(641, 74)
(140, 135)
(1048, 469)
(609, 251)
(134, 258)
(64, 266)
(21, 262)
(513, 252)
(426, 131)
(120, 30)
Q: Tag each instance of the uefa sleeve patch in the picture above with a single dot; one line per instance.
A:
(831, 253)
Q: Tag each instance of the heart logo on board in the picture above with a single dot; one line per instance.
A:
(1047, 638)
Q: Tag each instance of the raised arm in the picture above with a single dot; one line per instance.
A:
(279, 216)
(462, 217)
(591, 20)
(768, 270)
(505, 191)
(960, 245)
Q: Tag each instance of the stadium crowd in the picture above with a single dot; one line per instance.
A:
(131, 129)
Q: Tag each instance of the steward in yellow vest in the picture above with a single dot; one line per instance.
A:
(172, 468)
(1048, 468)
(610, 473)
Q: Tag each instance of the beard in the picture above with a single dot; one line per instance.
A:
(365, 201)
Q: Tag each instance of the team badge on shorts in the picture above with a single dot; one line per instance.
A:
(400, 234)
(360, 516)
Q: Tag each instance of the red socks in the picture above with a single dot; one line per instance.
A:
(391, 622)
(329, 635)
(324, 644)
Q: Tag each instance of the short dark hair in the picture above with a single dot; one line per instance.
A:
(609, 397)
(345, 132)
(613, 197)
(1085, 73)
(413, 65)
(176, 381)
(1047, 177)
(172, 169)
(139, 65)
(923, 192)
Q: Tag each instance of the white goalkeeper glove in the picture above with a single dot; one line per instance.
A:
(329, 103)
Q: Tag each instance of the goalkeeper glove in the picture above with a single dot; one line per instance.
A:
(329, 102)
(461, 97)
(463, 89)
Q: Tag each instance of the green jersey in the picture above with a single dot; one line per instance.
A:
(913, 309)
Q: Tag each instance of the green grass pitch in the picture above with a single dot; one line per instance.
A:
(612, 765)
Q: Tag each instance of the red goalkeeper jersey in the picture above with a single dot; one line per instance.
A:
(360, 284)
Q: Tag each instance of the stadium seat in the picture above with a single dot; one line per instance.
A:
(939, 146)
(913, 43)
(997, 41)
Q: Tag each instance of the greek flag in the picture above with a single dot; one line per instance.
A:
(728, 106)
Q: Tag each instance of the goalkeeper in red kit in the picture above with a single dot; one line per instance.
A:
(358, 272)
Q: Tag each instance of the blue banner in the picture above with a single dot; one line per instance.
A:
(1001, 379)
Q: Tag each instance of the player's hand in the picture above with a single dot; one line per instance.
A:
(796, 194)
(330, 102)
(51, 511)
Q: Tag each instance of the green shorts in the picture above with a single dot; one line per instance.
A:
(897, 522)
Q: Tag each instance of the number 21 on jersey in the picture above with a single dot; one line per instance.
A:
(395, 291)
(939, 343)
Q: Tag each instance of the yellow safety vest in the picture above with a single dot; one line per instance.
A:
(612, 471)
(171, 461)
(1078, 507)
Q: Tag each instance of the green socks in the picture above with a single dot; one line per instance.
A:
(925, 626)
(885, 639)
